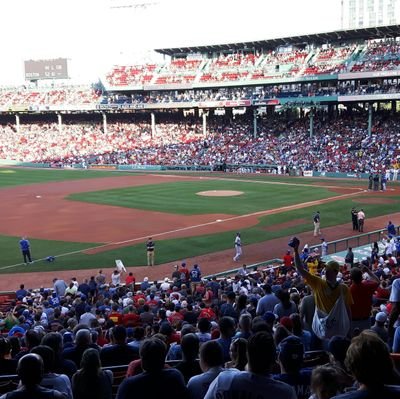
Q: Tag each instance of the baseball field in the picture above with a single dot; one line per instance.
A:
(86, 219)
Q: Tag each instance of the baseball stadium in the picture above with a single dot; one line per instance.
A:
(164, 195)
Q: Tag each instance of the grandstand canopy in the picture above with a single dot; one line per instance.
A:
(316, 38)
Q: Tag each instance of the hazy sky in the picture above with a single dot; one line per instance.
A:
(94, 34)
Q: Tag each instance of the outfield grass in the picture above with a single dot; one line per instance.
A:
(18, 176)
(181, 198)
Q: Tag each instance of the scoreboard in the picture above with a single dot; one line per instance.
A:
(46, 69)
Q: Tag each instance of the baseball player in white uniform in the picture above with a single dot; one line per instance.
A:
(238, 247)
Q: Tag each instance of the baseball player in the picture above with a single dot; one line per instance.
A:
(150, 249)
(238, 247)
(317, 223)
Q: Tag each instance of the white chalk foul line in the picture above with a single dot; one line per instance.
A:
(220, 221)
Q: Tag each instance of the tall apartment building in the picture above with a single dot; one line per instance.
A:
(368, 13)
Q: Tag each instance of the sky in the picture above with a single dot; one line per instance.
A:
(96, 34)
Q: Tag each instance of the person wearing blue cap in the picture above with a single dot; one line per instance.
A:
(290, 359)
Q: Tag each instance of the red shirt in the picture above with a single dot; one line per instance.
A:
(207, 313)
(130, 280)
(130, 320)
(116, 317)
(362, 299)
(382, 293)
(175, 318)
(137, 297)
(184, 271)
(152, 303)
(288, 260)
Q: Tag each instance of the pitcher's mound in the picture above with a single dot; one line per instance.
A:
(219, 193)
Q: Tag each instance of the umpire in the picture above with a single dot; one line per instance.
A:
(354, 218)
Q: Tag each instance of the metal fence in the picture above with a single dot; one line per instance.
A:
(334, 246)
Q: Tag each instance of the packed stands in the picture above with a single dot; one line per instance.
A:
(378, 56)
(338, 145)
(72, 95)
(237, 66)
(115, 319)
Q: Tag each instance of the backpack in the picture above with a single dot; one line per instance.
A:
(336, 322)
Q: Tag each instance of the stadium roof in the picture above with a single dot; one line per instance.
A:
(317, 38)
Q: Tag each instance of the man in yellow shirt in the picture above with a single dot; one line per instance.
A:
(326, 292)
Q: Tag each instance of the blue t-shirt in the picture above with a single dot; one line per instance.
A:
(300, 382)
(24, 245)
(195, 275)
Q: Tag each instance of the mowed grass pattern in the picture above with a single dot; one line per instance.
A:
(181, 197)
(18, 176)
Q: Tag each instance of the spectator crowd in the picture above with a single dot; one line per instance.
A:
(252, 333)
(339, 144)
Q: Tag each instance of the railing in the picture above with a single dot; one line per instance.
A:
(272, 263)
(337, 245)
(357, 241)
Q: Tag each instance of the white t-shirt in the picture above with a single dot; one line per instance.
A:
(395, 293)
(116, 278)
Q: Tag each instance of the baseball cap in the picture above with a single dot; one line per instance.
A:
(381, 317)
(269, 317)
(286, 322)
(332, 265)
(291, 348)
(68, 337)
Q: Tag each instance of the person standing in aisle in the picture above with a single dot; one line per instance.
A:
(25, 246)
(150, 248)
(238, 247)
